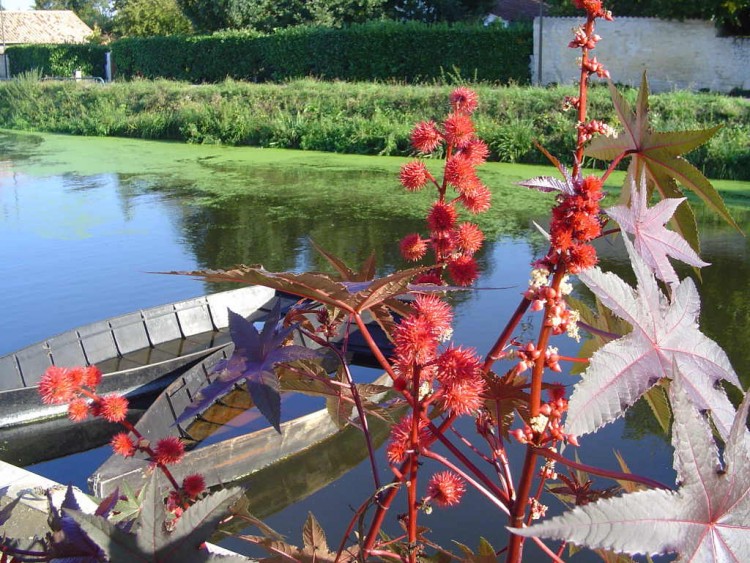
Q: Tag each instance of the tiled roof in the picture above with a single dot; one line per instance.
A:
(42, 26)
(517, 10)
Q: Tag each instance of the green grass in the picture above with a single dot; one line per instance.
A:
(361, 118)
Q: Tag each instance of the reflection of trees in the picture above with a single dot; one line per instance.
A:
(249, 230)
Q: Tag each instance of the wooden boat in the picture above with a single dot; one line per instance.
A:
(139, 352)
(229, 441)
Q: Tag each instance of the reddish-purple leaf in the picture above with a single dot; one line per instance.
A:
(252, 362)
(653, 242)
(707, 519)
(665, 334)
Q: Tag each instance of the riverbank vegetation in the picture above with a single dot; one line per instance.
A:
(356, 118)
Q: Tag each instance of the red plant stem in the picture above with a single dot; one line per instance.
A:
(497, 491)
(515, 545)
(574, 360)
(582, 96)
(535, 400)
(384, 363)
(535, 397)
(599, 332)
(503, 458)
(363, 421)
(385, 502)
(385, 554)
(383, 506)
(465, 441)
(614, 475)
(491, 496)
(146, 449)
(613, 165)
(502, 340)
(411, 491)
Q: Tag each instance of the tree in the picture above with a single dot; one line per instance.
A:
(267, 15)
(96, 13)
(145, 18)
(439, 10)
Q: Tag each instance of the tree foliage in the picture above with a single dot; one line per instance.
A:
(96, 13)
(147, 18)
(439, 10)
(268, 15)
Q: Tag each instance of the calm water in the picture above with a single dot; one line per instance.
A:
(81, 236)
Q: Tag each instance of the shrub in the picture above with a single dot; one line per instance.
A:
(373, 51)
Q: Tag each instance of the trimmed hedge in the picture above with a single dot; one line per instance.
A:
(381, 51)
(58, 60)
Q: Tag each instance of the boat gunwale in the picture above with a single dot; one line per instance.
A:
(214, 305)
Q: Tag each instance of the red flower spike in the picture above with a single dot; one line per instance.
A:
(582, 257)
(425, 137)
(123, 445)
(77, 376)
(413, 247)
(428, 278)
(55, 387)
(459, 130)
(78, 410)
(113, 408)
(446, 488)
(478, 199)
(468, 237)
(416, 340)
(169, 450)
(463, 270)
(464, 100)
(457, 363)
(414, 175)
(476, 152)
(400, 438)
(459, 172)
(434, 310)
(463, 396)
(92, 377)
(194, 485)
(442, 242)
(442, 217)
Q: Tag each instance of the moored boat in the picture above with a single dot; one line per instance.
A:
(228, 441)
(139, 353)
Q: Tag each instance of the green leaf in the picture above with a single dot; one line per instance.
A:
(656, 397)
(659, 153)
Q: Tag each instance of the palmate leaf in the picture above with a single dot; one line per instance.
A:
(658, 154)
(653, 242)
(252, 363)
(151, 541)
(706, 519)
(665, 334)
(352, 297)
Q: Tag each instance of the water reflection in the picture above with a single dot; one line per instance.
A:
(77, 248)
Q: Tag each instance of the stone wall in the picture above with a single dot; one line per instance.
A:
(676, 55)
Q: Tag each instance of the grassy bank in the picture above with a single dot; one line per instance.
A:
(362, 118)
